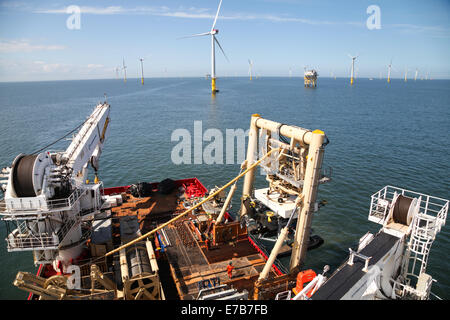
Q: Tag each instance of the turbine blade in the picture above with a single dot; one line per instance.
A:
(195, 35)
(217, 15)
(217, 41)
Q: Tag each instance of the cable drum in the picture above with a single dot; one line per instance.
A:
(139, 261)
(23, 176)
(404, 210)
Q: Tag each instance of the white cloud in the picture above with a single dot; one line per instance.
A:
(9, 46)
(88, 10)
(95, 66)
(185, 13)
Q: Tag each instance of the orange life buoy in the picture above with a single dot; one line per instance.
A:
(304, 277)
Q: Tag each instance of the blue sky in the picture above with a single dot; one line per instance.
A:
(278, 35)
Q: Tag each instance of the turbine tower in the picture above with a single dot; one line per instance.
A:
(117, 72)
(250, 66)
(125, 71)
(142, 70)
(406, 73)
(214, 40)
(415, 76)
(353, 68)
(389, 72)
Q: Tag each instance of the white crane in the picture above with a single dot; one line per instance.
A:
(47, 195)
(214, 40)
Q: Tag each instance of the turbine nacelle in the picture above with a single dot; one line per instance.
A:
(214, 31)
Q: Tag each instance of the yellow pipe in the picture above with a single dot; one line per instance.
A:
(192, 208)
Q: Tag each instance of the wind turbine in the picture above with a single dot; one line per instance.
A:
(353, 67)
(250, 66)
(415, 76)
(389, 72)
(406, 73)
(125, 71)
(117, 72)
(214, 40)
(142, 70)
(290, 72)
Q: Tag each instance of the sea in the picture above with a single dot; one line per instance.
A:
(380, 134)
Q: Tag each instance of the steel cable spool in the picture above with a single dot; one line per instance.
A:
(139, 261)
(143, 283)
(402, 210)
(23, 176)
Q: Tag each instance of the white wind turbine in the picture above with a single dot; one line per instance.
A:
(142, 70)
(415, 76)
(250, 67)
(353, 68)
(214, 40)
(389, 72)
(124, 67)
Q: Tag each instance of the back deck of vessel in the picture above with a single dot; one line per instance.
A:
(192, 263)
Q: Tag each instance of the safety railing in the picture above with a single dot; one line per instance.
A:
(31, 205)
(17, 241)
(23, 238)
(433, 208)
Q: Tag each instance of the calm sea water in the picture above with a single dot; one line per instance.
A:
(380, 134)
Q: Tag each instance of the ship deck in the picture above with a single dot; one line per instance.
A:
(348, 275)
(192, 264)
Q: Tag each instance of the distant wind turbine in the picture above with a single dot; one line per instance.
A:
(250, 66)
(214, 40)
(125, 71)
(406, 74)
(353, 67)
(415, 76)
(389, 72)
(142, 70)
(117, 72)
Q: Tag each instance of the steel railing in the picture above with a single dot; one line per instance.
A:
(30, 206)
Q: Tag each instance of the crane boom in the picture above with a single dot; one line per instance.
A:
(88, 143)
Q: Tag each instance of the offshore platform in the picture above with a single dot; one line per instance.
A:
(310, 77)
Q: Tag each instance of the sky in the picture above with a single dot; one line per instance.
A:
(38, 40)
